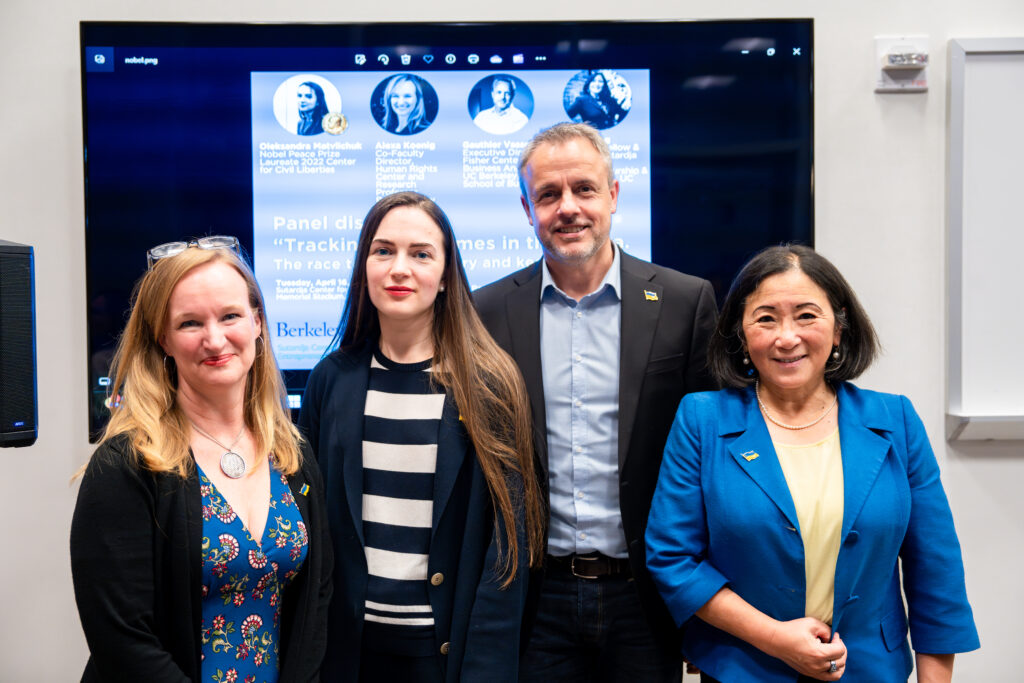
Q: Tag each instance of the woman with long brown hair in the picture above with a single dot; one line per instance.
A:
(421, 426)
(199, 548)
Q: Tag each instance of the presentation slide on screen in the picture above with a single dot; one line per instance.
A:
(327, 145)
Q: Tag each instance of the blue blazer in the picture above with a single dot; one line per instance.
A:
(722, 515)
(476, 623)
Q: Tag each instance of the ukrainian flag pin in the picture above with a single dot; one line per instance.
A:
(304, 490)
(750, 455)
(650, 296)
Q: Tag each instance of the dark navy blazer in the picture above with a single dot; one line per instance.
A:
(667, 319)
(723, 515)
(476, 624)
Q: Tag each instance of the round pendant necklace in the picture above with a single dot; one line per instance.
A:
(231, 463)
(764, 409)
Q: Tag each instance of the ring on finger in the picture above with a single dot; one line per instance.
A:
(832, 668)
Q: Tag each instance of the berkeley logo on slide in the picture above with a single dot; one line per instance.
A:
(305, 329)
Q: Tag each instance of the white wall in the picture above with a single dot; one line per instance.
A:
(880, 188)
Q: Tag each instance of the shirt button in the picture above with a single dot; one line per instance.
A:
(579, 494)
(437, 579)
(579, 314)
(583, 535)
(445, 647)
(579, 449)
(578, 403)
(579, 358)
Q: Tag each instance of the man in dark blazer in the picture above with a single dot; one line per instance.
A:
(607, 345)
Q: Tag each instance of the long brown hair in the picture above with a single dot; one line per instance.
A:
(481, 378)
(144, 390)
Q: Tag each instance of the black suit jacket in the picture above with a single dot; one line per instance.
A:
(666, 322)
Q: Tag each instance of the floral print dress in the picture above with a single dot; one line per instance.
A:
(243, 584)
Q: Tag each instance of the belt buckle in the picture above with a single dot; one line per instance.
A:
(572, 567)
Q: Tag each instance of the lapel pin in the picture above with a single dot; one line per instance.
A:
(750, 455)
(650, 296)
(304, 490)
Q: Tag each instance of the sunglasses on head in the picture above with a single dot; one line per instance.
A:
(170, 249)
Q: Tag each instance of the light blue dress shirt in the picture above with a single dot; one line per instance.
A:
(579, 347)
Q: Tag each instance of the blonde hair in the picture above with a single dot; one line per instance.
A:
(144, 389)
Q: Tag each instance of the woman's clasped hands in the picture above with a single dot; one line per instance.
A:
(804, 645)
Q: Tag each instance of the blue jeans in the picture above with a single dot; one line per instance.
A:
(594, 630)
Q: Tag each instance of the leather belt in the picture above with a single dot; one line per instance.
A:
(590, 566)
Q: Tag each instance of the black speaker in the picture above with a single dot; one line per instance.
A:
(18, 413)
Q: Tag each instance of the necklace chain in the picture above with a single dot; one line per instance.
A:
(764, 409)
(211, 438)
(231, 463)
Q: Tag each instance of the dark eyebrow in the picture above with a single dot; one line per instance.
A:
(806, 304)
(389, 243)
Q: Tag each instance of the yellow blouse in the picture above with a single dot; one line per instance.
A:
(814, 474)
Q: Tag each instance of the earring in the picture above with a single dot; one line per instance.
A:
(835, 353)
(168, 369)
(440, 287)
(746, 359)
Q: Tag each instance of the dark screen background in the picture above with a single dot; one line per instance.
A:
(168, 148)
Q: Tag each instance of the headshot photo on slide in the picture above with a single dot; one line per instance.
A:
(404, 104)
(307, 104)
(500, 104)
(600, 97)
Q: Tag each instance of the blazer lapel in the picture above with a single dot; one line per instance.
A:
(754, 453)
(523, 305)
(349, 430)
(863, 449)
(862, 419)
(452, 447)
(640, 307)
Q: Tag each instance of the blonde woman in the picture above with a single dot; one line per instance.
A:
(198, 544)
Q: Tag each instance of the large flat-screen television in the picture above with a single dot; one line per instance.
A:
(285, 135)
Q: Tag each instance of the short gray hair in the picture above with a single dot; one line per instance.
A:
(559, 134)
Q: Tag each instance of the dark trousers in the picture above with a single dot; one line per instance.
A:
(594, 631)
(377, 667)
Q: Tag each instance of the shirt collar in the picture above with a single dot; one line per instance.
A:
(613, 278)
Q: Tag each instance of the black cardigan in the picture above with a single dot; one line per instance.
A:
(136, 564)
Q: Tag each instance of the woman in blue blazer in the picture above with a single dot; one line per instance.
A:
(788, 502)
(421, 427)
